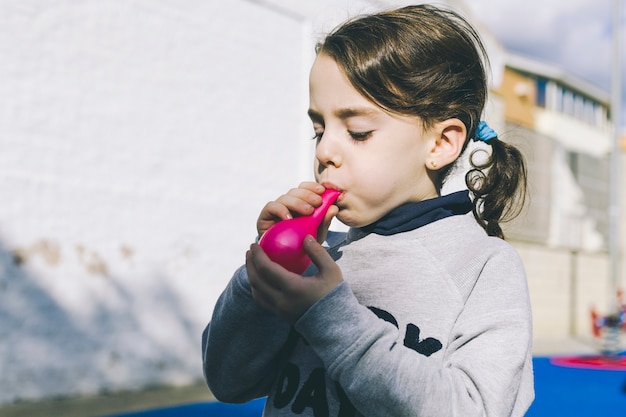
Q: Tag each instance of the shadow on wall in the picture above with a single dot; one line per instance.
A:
(66, 332)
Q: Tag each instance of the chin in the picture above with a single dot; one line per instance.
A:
(349, 221)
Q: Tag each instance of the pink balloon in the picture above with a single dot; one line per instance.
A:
(283, 241)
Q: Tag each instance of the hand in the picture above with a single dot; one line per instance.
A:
(284, 293)
(299, 201)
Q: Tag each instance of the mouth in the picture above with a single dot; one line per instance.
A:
(331, 186)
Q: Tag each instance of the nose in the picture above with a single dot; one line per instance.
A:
(327, 151)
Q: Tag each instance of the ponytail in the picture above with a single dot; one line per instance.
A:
(499, 186)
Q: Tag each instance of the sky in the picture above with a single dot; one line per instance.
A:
(574, 35)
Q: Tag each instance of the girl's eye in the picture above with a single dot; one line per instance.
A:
(360, 136)
(317, 136)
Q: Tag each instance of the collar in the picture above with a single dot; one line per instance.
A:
(411, 216)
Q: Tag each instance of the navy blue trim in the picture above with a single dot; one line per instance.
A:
(411, 216)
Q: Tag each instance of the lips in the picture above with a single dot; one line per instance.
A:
(331, 186)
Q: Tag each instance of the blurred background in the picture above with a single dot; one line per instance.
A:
(140, 139)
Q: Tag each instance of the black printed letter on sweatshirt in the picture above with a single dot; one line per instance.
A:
(412, 340)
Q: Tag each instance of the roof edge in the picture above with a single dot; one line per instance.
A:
(529, 65)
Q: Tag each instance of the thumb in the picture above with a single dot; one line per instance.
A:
(328, 218)
(318, 254)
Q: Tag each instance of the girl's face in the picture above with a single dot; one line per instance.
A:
(377, 159)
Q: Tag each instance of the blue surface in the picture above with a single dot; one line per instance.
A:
(563, 391)
(209, 409)
(559, 391)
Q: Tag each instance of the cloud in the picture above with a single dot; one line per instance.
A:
(575, 35)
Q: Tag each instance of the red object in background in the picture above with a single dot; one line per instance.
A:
(595, 323)
(607, 363)
(599, 323)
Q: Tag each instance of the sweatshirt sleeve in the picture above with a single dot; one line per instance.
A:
(486, 370)
(241, 345)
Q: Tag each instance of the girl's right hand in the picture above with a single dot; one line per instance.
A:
(299, 201)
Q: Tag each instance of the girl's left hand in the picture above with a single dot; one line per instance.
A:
(284, 293)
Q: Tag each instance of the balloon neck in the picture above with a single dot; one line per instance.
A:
(328, 198)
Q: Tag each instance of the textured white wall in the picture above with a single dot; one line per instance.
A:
(138, 142)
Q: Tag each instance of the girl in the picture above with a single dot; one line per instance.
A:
(421, 309)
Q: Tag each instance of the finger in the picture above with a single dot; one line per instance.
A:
(312, 186)
(328, 218)
(270, 277)
(253, 274)
(300, 200)
(263, 301)
(296, 199)
(252, 277)
(299, 204)
(318, 255)
(272, 213)
(276, 211)
(261, 292)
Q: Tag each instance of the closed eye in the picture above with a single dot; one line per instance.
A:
(318, 136)
(360, 136)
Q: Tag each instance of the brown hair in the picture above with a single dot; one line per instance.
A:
(430, 62)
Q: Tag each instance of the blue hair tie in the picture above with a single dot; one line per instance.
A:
(484, 133)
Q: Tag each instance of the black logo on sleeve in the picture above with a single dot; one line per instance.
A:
(304, 392)
(412, 340)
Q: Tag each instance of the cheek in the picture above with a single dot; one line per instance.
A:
(380, 176)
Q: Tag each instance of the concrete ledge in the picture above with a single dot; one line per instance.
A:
(114, 403)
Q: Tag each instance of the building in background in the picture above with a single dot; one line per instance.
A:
(566, 132)
(562, 124)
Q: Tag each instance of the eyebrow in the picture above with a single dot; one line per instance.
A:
(346, 113)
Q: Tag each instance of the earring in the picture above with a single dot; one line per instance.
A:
(433, 164)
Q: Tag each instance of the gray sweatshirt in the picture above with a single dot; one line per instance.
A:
(435, 321)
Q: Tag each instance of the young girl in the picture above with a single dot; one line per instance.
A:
(421, 309)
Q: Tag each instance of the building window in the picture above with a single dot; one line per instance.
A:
(541, 92)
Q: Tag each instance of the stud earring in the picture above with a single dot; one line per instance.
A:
(433, 164)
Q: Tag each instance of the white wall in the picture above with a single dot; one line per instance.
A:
(138, 142)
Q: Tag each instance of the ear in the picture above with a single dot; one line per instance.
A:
(449, 140)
